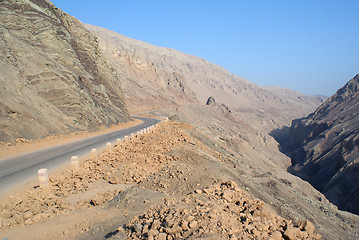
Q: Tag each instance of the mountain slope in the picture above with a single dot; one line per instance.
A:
(163, 77)
(54, 78)
(325, 147)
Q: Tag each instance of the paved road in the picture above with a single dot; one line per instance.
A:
(20, 169)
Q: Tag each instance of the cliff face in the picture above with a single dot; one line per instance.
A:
(54, 78)
(324, 147)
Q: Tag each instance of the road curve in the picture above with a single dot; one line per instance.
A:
(17, 170)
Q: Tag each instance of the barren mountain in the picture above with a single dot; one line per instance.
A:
(210, 172)
(157, 77)
(54, 78)
(324, 147)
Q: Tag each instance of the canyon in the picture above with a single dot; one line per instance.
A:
(324, 147)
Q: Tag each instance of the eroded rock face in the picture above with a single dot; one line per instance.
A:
(324, 147)
(53, 78)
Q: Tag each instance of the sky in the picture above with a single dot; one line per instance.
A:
(310, 46)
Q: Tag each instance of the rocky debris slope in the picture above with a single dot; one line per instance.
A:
(54, 78)
(324, 147)
(179, 182)
(220, 211)
(165, 78)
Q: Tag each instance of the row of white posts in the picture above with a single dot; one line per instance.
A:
(43, 174)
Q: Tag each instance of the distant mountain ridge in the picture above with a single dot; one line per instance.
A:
(54, 78)
(165, 77)
(325, 147)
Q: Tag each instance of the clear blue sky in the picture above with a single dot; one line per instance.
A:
(311, 46)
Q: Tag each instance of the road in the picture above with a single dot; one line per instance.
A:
(20, 169)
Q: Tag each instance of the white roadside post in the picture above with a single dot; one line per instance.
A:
(43, 178)
(108, 146)
(75, 163)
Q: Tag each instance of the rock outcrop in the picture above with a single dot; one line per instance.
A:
(53, 76)
(324, 147)
(223, 108)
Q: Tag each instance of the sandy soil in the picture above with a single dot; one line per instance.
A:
(23, 146)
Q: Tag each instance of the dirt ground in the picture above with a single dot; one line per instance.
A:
(166, 184)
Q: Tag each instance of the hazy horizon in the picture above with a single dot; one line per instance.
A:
(310, 47)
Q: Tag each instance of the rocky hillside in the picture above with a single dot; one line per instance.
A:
(324, 147)
(157, 77)
(53, 77)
